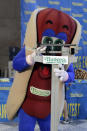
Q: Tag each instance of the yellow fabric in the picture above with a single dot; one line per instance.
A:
(17, 93)
(19, 87)
(77, 36)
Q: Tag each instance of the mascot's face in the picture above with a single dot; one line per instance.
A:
(54, 27)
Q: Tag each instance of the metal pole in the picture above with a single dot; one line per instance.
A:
(57, 99)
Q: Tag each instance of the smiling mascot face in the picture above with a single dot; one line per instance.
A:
(54, 26)
(51, 26)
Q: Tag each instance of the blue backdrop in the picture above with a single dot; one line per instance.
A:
(5, 85)
(76, 96)
(75, 8)
(76, 93)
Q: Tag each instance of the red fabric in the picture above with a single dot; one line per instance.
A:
(34, 105)
(39, 109)
(59, 19)
(45, 71)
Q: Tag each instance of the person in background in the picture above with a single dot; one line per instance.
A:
(66, 119)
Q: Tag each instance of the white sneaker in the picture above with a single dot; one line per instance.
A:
(66, 121)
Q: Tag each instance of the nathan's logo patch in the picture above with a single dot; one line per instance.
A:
(55, 59)
(39, 92)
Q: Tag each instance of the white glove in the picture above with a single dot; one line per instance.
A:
(63, 75)
(30, 58)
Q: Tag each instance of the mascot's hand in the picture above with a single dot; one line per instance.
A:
(30, 58)
(63, 75)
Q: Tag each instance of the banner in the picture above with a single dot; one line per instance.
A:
(76, 9)
(5, 85)
(76, 96)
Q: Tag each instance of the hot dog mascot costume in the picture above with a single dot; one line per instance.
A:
(30, 95)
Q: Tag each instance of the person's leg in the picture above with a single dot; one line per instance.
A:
(66, 119)
(26, 122)
(65, 110)
(44, 124)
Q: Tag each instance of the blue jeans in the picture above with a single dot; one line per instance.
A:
(27, 123)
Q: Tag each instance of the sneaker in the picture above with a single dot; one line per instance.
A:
(66, 121)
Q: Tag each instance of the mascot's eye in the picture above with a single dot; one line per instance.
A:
(58, 41)
(47, 40)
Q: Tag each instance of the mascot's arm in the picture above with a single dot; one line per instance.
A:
(22, 62)
(19, 62)
(71, 73)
